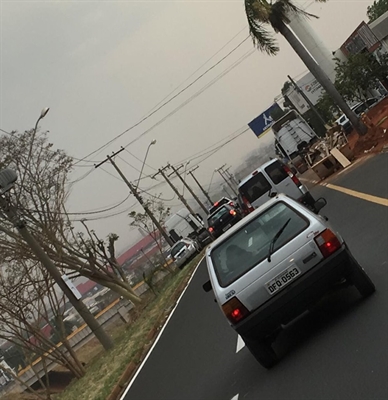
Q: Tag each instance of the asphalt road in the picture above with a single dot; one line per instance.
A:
(340, 351)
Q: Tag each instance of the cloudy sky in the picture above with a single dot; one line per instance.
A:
(101, 66)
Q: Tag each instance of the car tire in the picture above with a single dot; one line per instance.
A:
(360, 279)
(262, 351)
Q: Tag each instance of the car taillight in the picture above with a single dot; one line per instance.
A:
(248, 204)
(231, 203)
(216, 204)
(211, 229)
(234, 310)
(293, 177)
(327, 242)
(232, 212)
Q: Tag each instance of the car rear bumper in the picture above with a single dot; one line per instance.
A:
(297, 297)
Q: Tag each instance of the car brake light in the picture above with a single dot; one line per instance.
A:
(232, 212)
(293, 177)
(231, 203)
(248, 204)
(234, 310)
(327, 242)
(216, 204)
(211, 229)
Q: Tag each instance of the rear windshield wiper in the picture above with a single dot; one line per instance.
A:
(275, 238)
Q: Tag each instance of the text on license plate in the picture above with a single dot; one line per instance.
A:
(227, 227)
(282, 279)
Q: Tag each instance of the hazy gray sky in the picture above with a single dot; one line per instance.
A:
(102, 65)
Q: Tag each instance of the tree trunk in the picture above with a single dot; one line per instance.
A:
(320, 76)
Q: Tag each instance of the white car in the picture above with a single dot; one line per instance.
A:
(272, 266)
(358, 109)
(183, 251)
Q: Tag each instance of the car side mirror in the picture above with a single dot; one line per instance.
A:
(207, 286)
(319, 204)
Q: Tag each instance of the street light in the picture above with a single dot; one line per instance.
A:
(7, 179)
(145, 158)
(43, 113)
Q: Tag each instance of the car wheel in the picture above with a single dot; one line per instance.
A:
(360, 279)
(262, 351)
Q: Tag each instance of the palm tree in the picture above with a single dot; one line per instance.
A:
(277, 13)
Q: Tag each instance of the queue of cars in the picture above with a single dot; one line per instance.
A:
(274, 257)
(273, 265)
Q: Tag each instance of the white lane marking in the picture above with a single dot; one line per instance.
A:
(235, 397)
(240, 344)
(160, 333)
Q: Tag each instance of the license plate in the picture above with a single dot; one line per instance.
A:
(283, 279)
(226, 227)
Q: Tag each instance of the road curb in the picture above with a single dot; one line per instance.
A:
(137, 359)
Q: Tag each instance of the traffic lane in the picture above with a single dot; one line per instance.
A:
(369, 177)
(339, 351)
(195, 346)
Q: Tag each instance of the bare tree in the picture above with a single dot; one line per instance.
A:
(40, 196)
(32, 318)
(143, 221)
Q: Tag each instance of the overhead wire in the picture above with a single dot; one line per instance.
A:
(166, 102)
(194, 96)
(230, 68)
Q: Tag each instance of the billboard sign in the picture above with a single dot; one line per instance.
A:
(262, 124)
(312, 90)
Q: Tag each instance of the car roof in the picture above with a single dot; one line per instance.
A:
(247, 178)
(251, 216)
(218, 209)
(183, 240)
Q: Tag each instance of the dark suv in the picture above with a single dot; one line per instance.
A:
(222, 219)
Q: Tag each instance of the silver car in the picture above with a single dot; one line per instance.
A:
(272, 266)
(183, 251)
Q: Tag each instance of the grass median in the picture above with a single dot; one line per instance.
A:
(106, 368)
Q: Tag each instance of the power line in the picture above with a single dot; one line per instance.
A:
(195, 95)
(166, 102)
(230, 68)
(199, 68)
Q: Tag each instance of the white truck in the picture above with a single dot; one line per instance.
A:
(292, 133)
(182, 224)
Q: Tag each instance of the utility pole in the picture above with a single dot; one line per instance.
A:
(231, 177)
(196, 198)
(311, 105)
(206, 194)
(226, 181)
(137, 196)
(172, 186)
(81, 308)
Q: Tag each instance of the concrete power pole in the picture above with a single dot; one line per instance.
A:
(206, 194)
(81, 308)
(189, 189)
(137, 196)
(226, 181)
(172, 186)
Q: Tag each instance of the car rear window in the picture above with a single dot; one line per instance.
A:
(276, 172)
(218, 204)
(217, 215)
(255, 187)
(177, 248)
(249, 246)
(360, 109)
